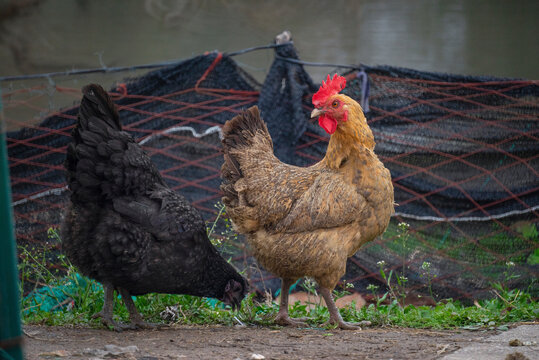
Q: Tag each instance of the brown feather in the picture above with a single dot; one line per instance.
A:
(306, 221)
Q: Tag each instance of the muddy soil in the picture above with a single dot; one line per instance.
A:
(220, 342)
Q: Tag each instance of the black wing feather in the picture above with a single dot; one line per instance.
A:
(124, 226)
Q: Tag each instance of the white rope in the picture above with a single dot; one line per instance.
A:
(217, 129)
(56, 191)
(59, 191)
(209, 131)
(469, 218)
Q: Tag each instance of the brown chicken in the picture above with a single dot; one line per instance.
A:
(307, 221)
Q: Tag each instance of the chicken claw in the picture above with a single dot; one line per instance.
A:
(143, 325)
(334, 315)
(341, 324)
(284, 319)
(106, 313)
(106, 319)
(134, 316)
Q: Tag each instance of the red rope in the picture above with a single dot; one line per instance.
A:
(209, 69)
(417, 93)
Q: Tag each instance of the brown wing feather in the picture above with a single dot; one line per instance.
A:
(262, 192)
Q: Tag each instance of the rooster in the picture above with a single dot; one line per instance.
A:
(125, 228)
(306, 221)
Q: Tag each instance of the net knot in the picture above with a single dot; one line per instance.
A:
(121, 90)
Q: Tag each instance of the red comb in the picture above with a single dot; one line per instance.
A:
(328, 88)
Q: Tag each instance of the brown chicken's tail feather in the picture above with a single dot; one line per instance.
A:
(239, 133)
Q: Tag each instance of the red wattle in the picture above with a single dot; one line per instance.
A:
(328, 124)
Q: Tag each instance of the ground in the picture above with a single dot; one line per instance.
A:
(220, 342)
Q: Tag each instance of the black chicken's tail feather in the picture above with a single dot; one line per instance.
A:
(240, 133)
(103, 161)
(97, 119)
(96, 102)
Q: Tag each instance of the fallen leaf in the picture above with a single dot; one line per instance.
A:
(56, 353)
(111, 349)
(295, 335)
(515, 342)
(442, 348)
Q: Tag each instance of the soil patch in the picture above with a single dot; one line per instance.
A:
(221, 342)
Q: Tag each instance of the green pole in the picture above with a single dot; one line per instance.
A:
(10, 320)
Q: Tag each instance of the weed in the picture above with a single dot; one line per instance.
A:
(225, 237)
(396, 291)
(342, 290)
(309, 285)
(426, 273)
(73, 299)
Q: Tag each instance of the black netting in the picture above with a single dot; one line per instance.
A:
(462, 151)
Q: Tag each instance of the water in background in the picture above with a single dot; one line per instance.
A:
(479, 37)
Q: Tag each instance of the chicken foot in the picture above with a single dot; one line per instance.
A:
(282, 317)
(108, 308)
(106, 312)
(134, 316)
(334, 315)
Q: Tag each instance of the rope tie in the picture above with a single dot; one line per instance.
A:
(364, 79)
(122, 90)
(209, 69)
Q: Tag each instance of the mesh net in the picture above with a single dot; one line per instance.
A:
(463, 153)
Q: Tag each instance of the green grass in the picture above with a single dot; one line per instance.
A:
(516, 306)
(76, 298)
(508, 307)
(444, 238)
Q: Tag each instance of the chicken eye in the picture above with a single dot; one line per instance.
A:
(335, 104)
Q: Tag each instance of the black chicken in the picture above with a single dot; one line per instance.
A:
(125, 228)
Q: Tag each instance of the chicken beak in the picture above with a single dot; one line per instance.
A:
(316, 113)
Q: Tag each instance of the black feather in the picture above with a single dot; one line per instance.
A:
(124, 226)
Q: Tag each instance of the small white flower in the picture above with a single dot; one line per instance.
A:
(381, 263)
(404, 225)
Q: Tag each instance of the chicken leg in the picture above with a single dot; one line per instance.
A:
(334, 315)
(134, 316)
(282, 317)
(108, 307)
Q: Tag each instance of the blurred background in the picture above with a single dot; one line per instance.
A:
(472, 37)
(468, 218)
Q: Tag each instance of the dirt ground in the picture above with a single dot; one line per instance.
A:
(220, 342)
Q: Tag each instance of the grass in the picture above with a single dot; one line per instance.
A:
(71, 299)
(87, 298)
(492, 241)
